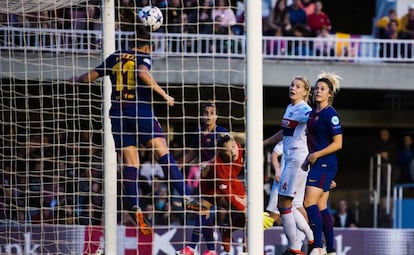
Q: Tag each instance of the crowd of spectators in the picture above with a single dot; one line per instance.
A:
(51, 178)
(393, 27)
(299, 18)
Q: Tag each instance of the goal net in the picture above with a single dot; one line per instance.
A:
(52, 133)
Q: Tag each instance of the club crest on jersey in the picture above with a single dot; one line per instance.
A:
(335, 120)
(147, 60)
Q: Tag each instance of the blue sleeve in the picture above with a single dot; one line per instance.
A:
(105, 68)
(222, 130)
(144, 60)
(335, 123)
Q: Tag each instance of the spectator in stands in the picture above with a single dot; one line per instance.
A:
(318, 19)
(394, 50)
(202, 18)
(344, 217)
(382, 23)
(39, 19)
(18, 20)
(279, 19)
(297, 14)
(174, 17)
(93, 15)
(308, 6)
(385, 146)
(384, 218)
(267, 7)
(78, 16)
(275, 46)
(238, 28)
(407, 22)
(190, 7)
(123, 19)
(325, 46)
(150, 168)
(300, 48)
(222, 9)
(161, 205)
(223, 46)
(405, 157)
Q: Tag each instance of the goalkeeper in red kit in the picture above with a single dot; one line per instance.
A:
(221, 186)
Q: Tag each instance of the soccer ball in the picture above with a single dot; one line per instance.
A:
(151, 16)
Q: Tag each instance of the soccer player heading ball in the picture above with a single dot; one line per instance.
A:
(133, 121)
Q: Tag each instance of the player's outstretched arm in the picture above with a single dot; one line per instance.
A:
(86, 77)
(149, 80)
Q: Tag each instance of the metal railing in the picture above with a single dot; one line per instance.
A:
(377, 169)
(334, 48)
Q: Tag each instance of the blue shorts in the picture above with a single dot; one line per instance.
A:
(132, 129)
(321, 176)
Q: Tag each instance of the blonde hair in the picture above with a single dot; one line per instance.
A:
(306, 85)
(332, 80)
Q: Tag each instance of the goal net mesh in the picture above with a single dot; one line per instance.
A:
(51, 143)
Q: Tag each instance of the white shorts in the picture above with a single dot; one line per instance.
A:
(293, 181)
(274, 195)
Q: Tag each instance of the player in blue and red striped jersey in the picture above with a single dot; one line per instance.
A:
(324, 140)
(132, 118)
(203, 148)
(204, 142)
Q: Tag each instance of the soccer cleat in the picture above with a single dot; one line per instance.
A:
(225, 238)
(318, 251)
(293, 252)
(333, 252)
(186, 251)
(208, 252)
(193, 205)
(143, 224)
(311, 245)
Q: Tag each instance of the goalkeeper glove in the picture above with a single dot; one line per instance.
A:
(267, 221)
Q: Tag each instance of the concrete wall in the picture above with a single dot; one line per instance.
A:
(194, 71)
(393, 76)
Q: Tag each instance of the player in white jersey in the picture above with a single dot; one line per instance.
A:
(293, 178)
